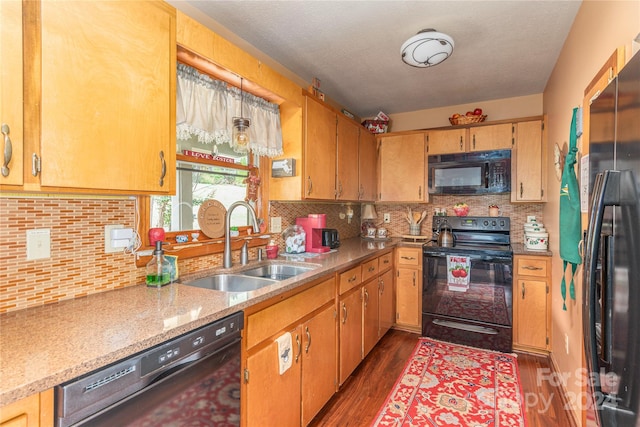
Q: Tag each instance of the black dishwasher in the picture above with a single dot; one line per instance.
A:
(193, 379)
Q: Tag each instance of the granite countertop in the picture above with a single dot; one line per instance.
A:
(45, 346)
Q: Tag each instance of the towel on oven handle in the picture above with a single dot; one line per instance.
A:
(458, 272)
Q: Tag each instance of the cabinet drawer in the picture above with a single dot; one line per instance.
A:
(531, 267)
(385, 262)
(369, 269)
(409, 257)
(273, 319)
(350, 279)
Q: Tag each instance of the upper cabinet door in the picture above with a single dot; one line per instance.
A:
(320, 151)
(447, 141)
(108, 95)
(11, 112)
(367, 166)
(347, 160)
(528, 182)
(402, 168)
(492, 137)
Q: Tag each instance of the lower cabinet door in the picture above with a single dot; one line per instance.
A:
(386, 309)
(408, 297)
(350, 315)
(274, 399)
(371, 317)
(532, 313)
(319, 362)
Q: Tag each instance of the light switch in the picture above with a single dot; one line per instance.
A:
(38, 244)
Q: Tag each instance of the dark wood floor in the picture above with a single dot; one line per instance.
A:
(363, 394)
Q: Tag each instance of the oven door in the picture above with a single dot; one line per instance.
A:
(478, 314)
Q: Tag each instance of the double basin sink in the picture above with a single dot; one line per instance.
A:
(250, 279)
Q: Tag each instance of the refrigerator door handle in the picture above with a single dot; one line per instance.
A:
(605, 193)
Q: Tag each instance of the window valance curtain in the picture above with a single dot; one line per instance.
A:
(205, 107)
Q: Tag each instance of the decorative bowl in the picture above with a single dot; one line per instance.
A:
(461, 210)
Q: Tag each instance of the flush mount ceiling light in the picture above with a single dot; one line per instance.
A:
(427, 48)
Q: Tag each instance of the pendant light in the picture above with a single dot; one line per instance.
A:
(427, 48)
(240, 135)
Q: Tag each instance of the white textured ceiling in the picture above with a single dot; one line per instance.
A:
(502, 48)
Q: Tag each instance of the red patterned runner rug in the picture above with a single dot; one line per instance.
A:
(446, 384)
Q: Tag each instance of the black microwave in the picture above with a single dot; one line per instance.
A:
(481, 172)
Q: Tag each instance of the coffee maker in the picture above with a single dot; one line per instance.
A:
(313, 225)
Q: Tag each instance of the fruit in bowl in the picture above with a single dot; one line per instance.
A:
(461, 209)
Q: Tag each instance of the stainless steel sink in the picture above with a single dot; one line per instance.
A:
(231, 282)
(276, 271)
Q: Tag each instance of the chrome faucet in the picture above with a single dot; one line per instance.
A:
(227, 230)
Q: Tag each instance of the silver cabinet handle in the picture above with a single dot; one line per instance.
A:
(352, 279)
(522, 290)
(339, 188)
(163, 170)
(372, 269)
(344, 311)
(521, 190)
(414, 278)
(299, 347)
(407, 257)
(529, 267)
(420, 192)
(460, 142)
(8, 149)
(366, 298)
(35, 164)
(306, 348)
(310, 186)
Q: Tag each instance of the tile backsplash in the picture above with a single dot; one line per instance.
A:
(78, 265)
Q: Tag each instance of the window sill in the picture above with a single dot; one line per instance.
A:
(207, 247)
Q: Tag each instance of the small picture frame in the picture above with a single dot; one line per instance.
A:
(173, 260)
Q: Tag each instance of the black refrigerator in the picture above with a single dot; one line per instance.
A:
(611, 286)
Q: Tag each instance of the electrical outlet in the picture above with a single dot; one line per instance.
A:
(566, 343)
(276, 224)
(108, 246)
(387, 218)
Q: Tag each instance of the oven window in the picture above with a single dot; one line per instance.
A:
(488, 299)
(458, 177)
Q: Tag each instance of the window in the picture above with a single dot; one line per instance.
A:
(202, 175)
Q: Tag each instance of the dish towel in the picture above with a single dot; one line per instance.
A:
(570, 216)
(285, 352)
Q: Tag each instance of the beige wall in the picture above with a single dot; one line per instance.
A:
(599, 28)
(498, 109)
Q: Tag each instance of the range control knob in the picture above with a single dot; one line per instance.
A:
(486, 223)
(493, 223)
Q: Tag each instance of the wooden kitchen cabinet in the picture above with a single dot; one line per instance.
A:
(401, 166)
(32, 411)
(528, 163)
(330, 154)
(409, 289)
(295, 397)
(367, 166)
(274, 399)
(11, 98)
(320, 151)
(350, 312)
(370, 322)
(385, 305)
(491, 137)
(532, 303)
(319, 351)
(347, 185)
(447, 141)
(100, 81)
